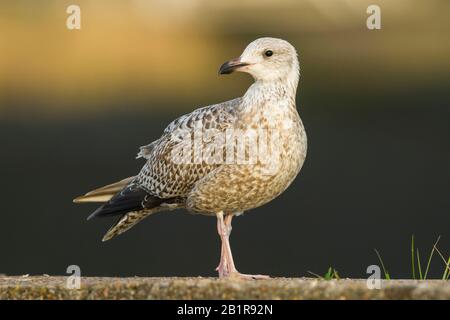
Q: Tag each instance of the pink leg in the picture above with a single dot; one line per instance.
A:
(223, 264)
(226, 266)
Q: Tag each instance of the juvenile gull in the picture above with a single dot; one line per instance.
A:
(220, 184)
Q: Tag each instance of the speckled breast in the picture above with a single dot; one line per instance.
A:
(239, 187)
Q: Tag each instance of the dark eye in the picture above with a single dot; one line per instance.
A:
(268, 53)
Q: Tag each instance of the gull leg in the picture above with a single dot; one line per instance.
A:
(226, 266)
(222, 268)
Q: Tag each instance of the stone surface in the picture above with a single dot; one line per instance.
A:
(49, 287)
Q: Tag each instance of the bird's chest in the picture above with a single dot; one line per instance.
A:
(278, 142)
(271, 154)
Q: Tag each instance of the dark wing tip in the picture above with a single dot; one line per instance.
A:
(95, 213)
(131, 198)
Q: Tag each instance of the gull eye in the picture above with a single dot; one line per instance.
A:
(268, 53)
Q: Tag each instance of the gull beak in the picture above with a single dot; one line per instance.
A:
(232, 65)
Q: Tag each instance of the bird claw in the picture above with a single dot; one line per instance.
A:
(242, 276)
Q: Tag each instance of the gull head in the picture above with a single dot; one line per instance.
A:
(266, 59)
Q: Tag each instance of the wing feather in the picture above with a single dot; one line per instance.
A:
(165, 178)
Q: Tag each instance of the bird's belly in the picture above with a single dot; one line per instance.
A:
(241, 187)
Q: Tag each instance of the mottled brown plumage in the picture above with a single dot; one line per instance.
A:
(222, 159)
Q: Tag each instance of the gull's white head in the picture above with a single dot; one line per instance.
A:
(266, 59)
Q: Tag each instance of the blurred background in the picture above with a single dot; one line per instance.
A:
(76, 105)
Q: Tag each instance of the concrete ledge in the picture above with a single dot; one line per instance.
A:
(47, 287)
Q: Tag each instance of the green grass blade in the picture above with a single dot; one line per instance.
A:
(447, 270)
(328, 275)
(315, 274)
(386, 273)
(413, 271)
(431, 257)
(336, 274)
(447, 264)
(419, 266)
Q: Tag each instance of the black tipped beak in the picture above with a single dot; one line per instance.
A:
(232, 65)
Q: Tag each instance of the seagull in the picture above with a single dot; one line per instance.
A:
(220, 160)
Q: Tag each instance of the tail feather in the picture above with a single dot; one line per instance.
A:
(126, 222)
(128, 200)
(105, 193)
(130, 219)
